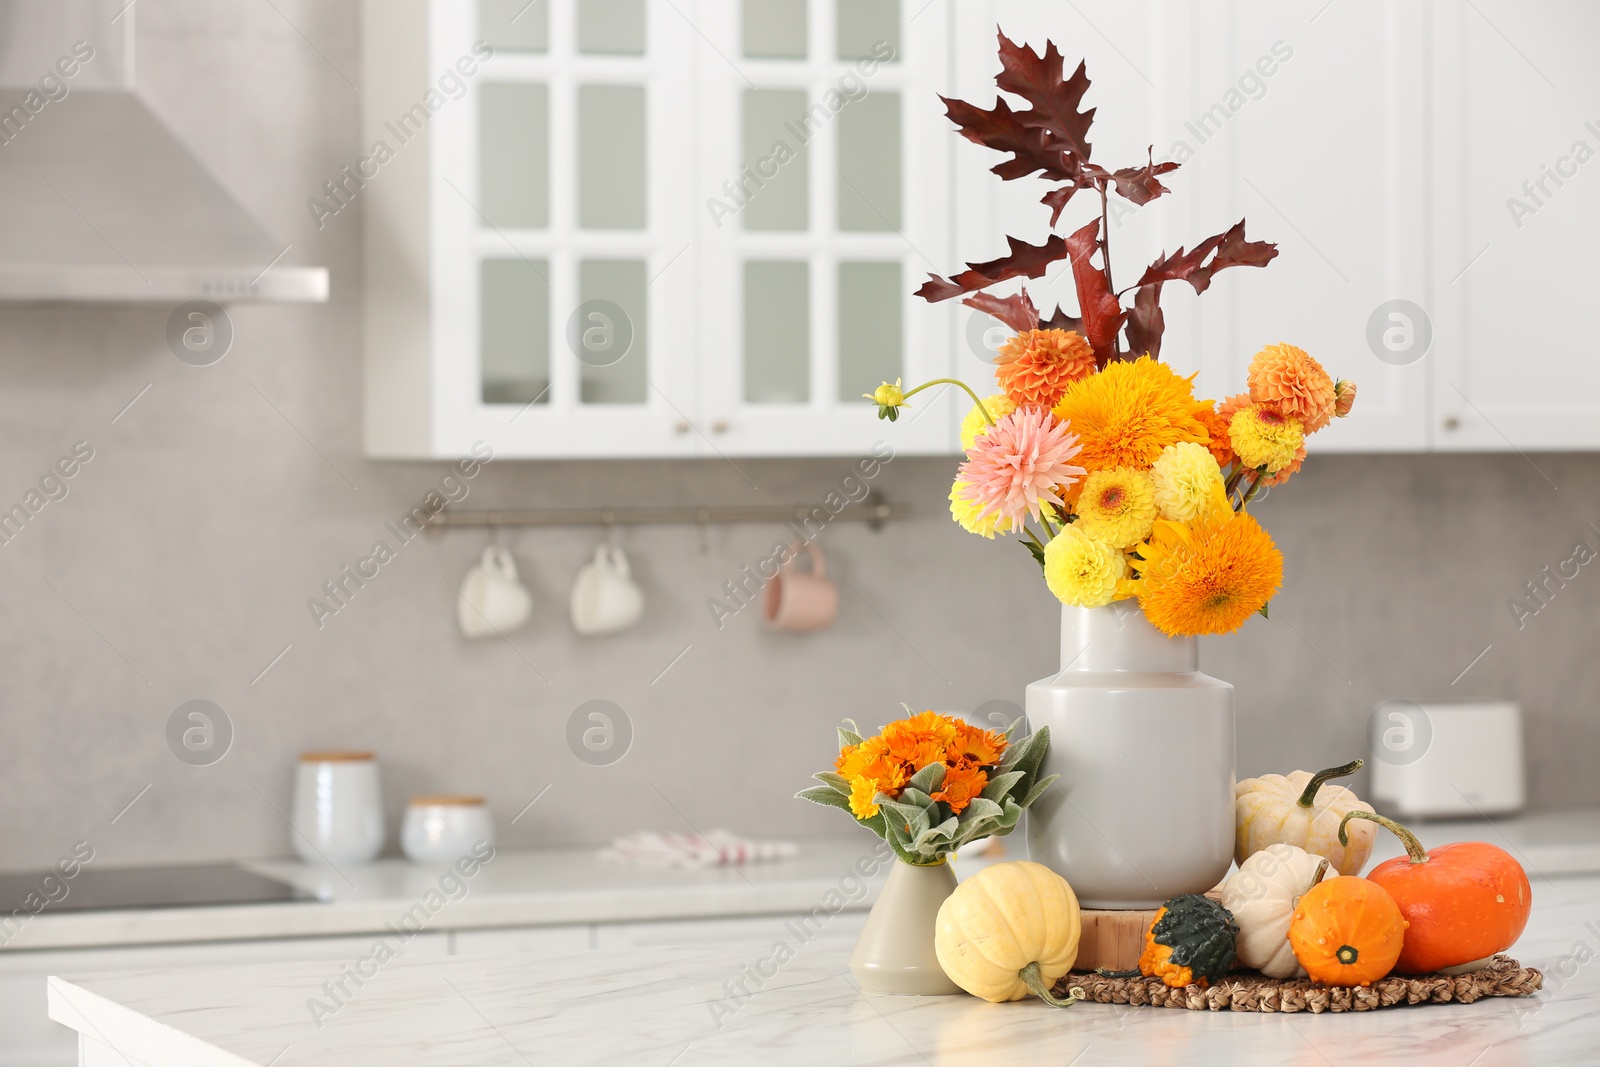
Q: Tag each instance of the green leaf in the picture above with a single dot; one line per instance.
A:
(821, 794)
(1001, 784)
(1009, 730)
(875, 824)
(850, 736)
(981, 808)
(1263, 612)
(929, 779)
(1035, 551)
(838, 782)
(1037, 791)
(916, 797)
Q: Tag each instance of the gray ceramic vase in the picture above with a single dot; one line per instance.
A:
(1144, 744)
(894, 953)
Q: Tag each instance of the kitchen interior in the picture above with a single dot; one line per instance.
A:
(345, 554)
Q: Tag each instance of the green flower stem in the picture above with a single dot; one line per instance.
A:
(952, 381)
(1254, 485)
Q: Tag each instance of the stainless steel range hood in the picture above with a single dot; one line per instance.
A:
(102, 203)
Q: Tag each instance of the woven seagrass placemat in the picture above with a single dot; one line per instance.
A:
(1503, 977)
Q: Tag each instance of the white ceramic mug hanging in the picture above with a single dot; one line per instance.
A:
(493, 600)
(605, 598)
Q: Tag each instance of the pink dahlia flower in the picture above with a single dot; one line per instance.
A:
(1020, 463)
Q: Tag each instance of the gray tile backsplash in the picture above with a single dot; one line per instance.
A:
(180, 561)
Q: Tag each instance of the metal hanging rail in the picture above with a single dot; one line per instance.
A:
(873, 510)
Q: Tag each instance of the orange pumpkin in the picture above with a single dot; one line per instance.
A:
(1465, 901)
(1347, 931)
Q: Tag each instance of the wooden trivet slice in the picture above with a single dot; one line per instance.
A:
(1248, 991)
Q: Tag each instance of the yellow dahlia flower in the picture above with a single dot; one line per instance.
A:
(1081, 571)
(969, 514)
(974, 426)
(1263, 436)
(1185, 476)
(1118, 506)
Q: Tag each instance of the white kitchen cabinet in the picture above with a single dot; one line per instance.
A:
(1516, 209)
(29, 1039)
(653, 227)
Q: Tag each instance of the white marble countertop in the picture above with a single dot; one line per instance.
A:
(541, 887)
(534, 887)
(674, 1007)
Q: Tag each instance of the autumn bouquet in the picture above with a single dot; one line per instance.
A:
(931, 783)
(1094, 454)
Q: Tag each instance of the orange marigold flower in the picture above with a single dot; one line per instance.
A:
(1288, 378)
(961, 783)
(1036, 367)
(854, 760)
(976, 745)
(1206, 576)
(1126, 414)
(1217, 426)
(889, 779)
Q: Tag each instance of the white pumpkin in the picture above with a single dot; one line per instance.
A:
(1262, 895)
(1302, 809)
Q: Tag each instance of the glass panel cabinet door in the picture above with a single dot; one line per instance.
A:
(562, 267)
(821, 204)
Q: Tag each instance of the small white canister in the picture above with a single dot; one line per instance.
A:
(338, 808)
(442, 829)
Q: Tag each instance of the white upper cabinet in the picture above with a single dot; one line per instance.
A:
(694, 227)
(654, 227)
(1517, 118)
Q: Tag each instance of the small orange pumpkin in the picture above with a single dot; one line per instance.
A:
(1347, 931)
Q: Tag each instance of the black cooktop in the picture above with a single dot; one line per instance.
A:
(120, 888)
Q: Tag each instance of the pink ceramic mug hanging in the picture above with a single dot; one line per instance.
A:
(799, 601)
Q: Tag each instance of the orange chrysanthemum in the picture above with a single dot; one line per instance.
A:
(1206, 576)
(1217, 426)
(976, 745)
(884, 776)
(1288, 378)
(1126, 414)
(1035, 368)
(962, 782)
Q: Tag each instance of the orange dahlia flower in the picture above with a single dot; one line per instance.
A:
(1289, 379)
(1036, 367)
(1216, 425)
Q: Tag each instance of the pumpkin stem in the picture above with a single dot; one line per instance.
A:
(1316, 879)
(1414, 847)
(1309, 797)
(1036, 985)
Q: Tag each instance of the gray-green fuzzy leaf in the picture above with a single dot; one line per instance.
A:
(838, 782)
(929, 779)
(821, 794)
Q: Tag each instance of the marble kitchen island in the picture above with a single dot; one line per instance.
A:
(684, 1007)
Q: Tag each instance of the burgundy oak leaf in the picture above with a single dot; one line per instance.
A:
(1025, 261)
(1217, 252)
(1053, 100)
(1004, 131)
(1146, 323)
(1060, 320)
(1102, 313)
(1140, 184)
(1016, 312)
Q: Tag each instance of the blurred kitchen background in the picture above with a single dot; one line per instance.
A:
(221, 497)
